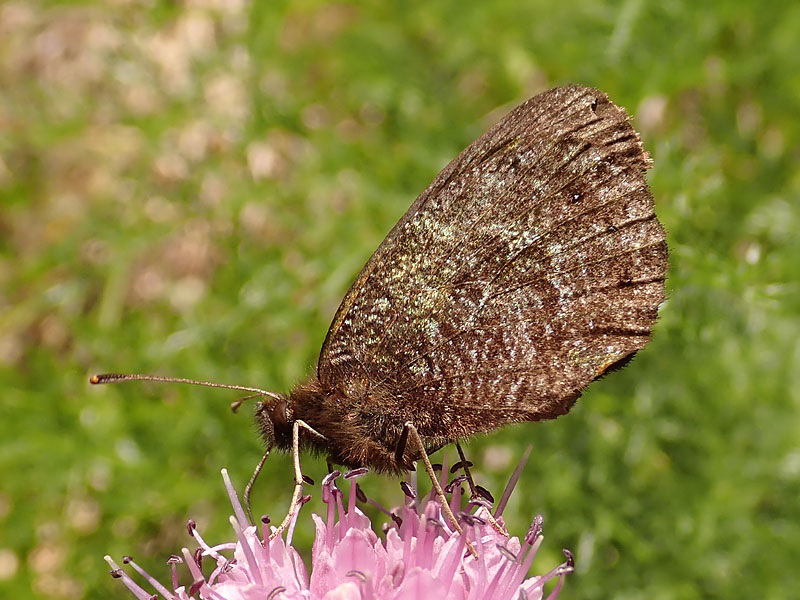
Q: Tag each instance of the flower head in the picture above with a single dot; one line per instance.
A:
(420, 555)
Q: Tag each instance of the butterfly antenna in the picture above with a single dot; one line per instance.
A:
(119, 377)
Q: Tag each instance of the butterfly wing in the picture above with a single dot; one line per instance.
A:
(531, 264)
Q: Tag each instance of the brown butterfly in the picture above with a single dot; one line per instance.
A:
(531, 266)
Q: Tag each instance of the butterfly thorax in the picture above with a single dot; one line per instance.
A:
(358, 431)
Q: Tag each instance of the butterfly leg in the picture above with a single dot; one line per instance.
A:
(400, 451)
(297, 495)
(409, 430)
(474, 491)
(249, 487)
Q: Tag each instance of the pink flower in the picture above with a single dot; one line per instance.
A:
(420, 555)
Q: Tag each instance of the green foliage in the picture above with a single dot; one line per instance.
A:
(189, 190)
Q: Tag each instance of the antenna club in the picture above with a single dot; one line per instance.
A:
(94, 379)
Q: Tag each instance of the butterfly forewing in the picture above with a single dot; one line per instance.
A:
(530, 265)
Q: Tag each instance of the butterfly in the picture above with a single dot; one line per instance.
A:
(532, 265)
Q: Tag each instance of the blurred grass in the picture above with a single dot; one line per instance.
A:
(189, 188)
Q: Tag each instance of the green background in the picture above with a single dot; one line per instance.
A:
(188, 189)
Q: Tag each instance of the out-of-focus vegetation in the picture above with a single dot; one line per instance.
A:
(189, 188)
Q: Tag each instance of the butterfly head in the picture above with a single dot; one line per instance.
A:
(274, 420)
